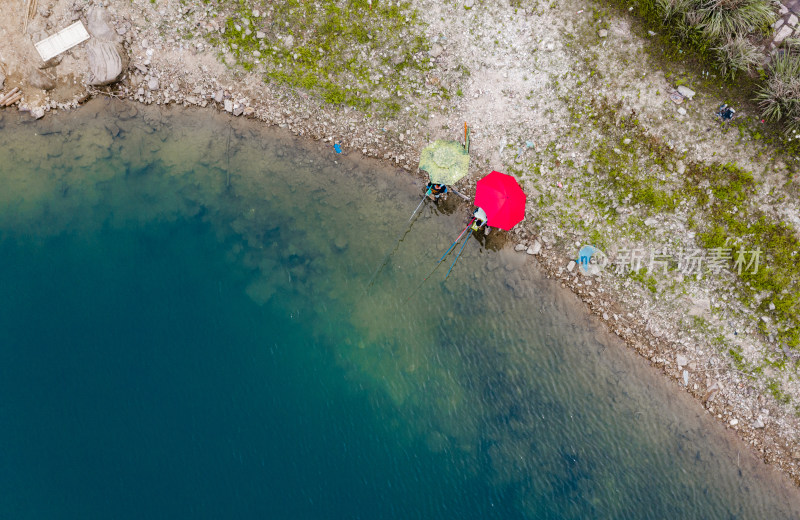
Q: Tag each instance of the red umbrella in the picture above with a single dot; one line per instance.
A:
(502, 199)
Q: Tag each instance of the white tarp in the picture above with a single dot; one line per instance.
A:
(63, 40)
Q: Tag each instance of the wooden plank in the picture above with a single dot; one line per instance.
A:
(16, 97)
(8, 95)
(63, 40)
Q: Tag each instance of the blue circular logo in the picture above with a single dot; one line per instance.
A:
(591, 260)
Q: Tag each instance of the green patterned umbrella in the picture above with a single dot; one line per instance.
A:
(445, 161)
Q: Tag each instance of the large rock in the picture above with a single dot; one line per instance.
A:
(686, 92)
(98, 21)
(40, 79)
(783, 33)
(105, 63)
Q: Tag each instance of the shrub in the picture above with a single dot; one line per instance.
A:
(737, 55)
(728, 19)
(779, 96)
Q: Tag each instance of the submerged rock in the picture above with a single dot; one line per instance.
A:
(260, 290)
(340, 243)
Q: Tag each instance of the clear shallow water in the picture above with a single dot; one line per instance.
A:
(186, 332)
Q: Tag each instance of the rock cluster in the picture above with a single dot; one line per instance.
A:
(106, 62)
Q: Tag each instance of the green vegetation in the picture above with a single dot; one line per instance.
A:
(717, 198)
(365, 54)
(647, 280)
(622, 174)
(779, 96)
(774, 388)
(723, 31)
(729, 222)
(726, 35)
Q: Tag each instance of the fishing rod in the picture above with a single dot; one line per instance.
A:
(456, 241)
(440, 260)
(392, 251)
(457, 257)
(424, 198)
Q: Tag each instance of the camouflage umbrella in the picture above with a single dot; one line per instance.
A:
(445, 161)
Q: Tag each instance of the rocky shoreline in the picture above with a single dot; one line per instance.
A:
(170, 66)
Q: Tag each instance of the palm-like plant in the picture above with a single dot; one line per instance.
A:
(737, 54)
(723, 19)
(676, 8)
(779, 97)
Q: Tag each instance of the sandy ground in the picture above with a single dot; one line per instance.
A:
(537, 74)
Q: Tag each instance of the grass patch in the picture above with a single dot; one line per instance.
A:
(717, 197)
(349, 52)
(725, 35)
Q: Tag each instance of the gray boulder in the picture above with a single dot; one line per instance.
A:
(686, 92)
(98, 21)
(105, 63)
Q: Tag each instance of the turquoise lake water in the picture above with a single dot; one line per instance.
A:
(188, 331)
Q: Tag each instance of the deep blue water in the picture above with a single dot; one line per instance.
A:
(140, 381)
(188, 331)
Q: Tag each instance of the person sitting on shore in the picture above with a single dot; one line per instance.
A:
(479, 219)
(434, 191)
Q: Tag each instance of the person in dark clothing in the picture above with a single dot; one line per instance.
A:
(434, 191)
